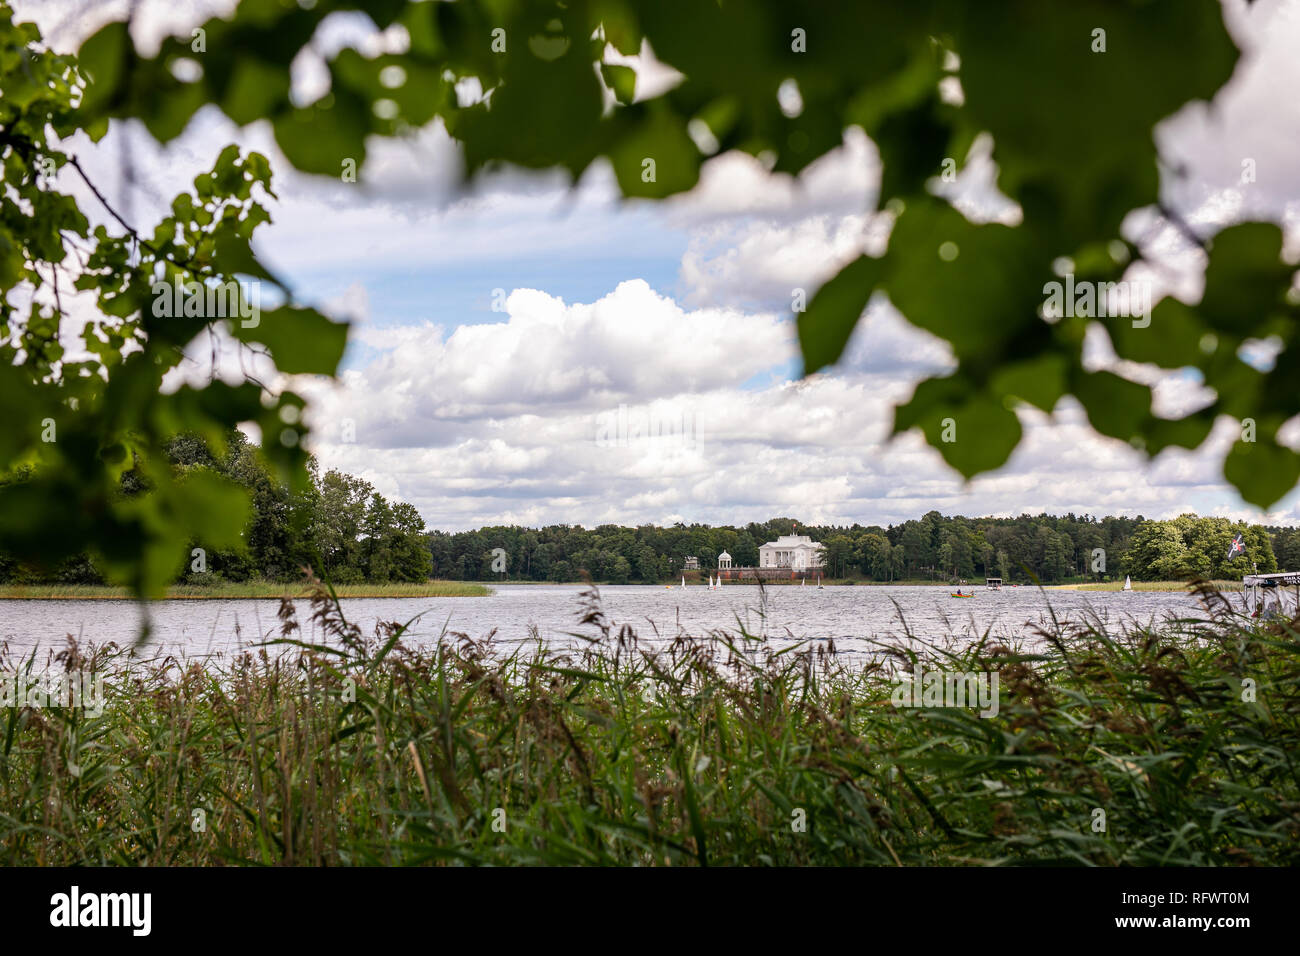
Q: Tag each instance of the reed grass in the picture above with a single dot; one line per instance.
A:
(1144, 586)
(689, 750)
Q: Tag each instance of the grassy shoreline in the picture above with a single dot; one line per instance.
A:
(1137, 748)
(973, 584)
(1142, 586)
(240, 591)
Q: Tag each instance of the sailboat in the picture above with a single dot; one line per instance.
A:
(683, 580)
(803, 583)
(1128, 585)
(819, 582)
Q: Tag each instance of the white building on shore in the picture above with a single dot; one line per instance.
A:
(795, 551)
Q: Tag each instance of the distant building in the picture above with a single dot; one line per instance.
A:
(724, 561)
(798, 552)
(692, 563)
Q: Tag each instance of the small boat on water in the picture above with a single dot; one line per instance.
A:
(1128, 585)
(993, 584)
(683, 580)
(960, 595)
(819, 582)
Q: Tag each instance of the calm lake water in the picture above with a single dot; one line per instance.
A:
(851, 616)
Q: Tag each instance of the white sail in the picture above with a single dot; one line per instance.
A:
(1128, 585)
(711, 585)
(683, 580)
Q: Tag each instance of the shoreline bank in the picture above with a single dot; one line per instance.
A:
(240, 591)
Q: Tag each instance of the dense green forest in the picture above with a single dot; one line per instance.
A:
(347, 532)
(337, 525)
(1050, 548)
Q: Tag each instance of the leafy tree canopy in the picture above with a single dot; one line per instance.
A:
(1068, 93)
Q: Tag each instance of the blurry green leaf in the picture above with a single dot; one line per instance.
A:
(1187, 432)
(253, 89)
(913, 144)
(1246, 280)
(621, 80)
(827, 324)
(1039, 381)
(1171, 340)
(979, 287)
(654, 156)
(1262, 471)
(973, 431)
(318, 138)
(301, 340)
(102, 57)
(1115, 406)
(217, 508)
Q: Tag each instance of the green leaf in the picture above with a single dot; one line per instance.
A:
(1115, 406)
(1246, 280)
(974, 431)
(254, 88)
(102, 58)
(977, 286)
(1072, 124)
(1171, 340)
(828, 323)
(217, 508)
(654, 156)
(1187, 432)
(1262, 471)
(913, 144)
(1040, 381)
(319, 138)
(301, 340)
(621, 80)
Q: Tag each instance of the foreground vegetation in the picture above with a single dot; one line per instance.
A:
(234, 590)
(1140, 748)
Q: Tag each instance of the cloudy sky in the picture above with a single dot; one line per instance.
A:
(513, 346)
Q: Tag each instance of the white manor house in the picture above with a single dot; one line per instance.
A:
(798, 552)
(789, 556)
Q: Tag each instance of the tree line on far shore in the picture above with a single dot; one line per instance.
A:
(346, 532)
(1048, 548)
(338, 525)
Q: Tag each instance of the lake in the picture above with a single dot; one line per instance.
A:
(851, 616)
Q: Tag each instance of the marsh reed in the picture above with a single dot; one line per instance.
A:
(693, 750)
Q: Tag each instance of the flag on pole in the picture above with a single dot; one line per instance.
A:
(1237, 547)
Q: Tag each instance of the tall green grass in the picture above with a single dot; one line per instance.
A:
(1147, 586)
(688, 750)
